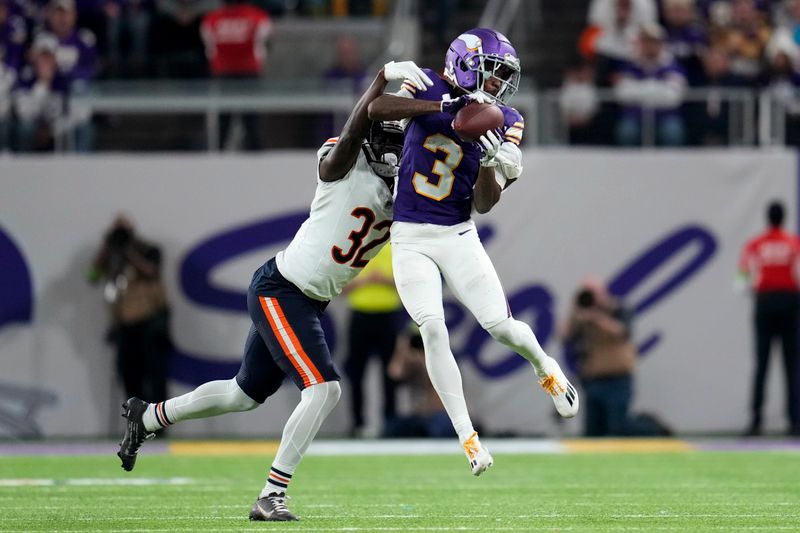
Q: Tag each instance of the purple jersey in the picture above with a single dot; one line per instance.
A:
(12, 40)
(686, 41)
(437, 169)
(663, 71)
(77, 56)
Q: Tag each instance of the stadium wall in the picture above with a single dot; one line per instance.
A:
(663, 228)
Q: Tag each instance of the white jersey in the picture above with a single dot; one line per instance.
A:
(348, 225)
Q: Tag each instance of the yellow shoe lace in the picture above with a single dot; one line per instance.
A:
(551, 385)
(470, 446)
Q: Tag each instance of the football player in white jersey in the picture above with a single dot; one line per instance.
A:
(348, 224)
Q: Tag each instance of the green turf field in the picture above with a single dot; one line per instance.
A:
(682, 492)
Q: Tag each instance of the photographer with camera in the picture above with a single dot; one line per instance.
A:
(598, 330)
(137, 300)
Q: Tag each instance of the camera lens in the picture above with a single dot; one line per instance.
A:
(585, 298)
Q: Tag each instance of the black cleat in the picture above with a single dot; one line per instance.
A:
(135, 432)
(272, 508)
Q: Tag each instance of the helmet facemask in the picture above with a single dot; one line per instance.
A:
(506, 70)
(383, 148)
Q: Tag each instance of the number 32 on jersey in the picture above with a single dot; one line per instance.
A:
(358, 249)
(443, 169)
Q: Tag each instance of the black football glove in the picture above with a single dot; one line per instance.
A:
(454, 106)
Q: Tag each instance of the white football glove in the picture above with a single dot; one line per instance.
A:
(490, 144)
(509, 161)
(407, 71)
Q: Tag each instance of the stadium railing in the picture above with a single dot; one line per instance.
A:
(742, 115)
(754, 118)
(210, 98)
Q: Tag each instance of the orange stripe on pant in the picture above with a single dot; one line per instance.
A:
(296, 342)
(276, 331)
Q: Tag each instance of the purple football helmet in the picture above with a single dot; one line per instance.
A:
(479, 54)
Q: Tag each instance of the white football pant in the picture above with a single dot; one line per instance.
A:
(421, 251)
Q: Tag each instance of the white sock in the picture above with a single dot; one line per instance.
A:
(445, 376)
(520, 337)
(316, 402)
(209, 399)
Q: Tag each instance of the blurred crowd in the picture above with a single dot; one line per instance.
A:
(648, 53)
(52, 49)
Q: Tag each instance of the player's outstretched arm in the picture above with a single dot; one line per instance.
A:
(391, 107)
(342, 157)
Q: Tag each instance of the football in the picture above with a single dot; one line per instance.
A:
(475, 119)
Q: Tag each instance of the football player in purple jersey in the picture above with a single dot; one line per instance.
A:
(441, 179)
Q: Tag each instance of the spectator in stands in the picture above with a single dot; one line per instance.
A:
(176, 38)
(137, 300)
(782, 80)
(129, 19)
(769, 265)
(653, 83)
(347, 74)
(598, 331)
(13, 35)
(787, 18)
(77, 47)
(40, 97)
(375, 308)
(235, 36)
(348, 68)
(427, 417)
(77, 62)
(686, 38)
(745, 39)
(614, 25)
(579, 103)
(719, 13)
(708, 120)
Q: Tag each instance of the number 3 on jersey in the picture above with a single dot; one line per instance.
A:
(357, 252)
(443, 169)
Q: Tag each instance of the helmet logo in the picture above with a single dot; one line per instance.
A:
(472, 42)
